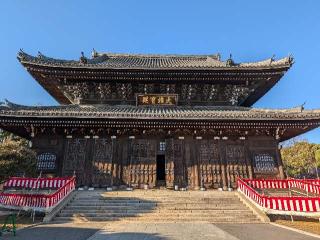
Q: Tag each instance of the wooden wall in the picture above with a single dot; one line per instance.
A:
(190, 162)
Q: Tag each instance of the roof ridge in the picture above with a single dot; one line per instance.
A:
(158, 55)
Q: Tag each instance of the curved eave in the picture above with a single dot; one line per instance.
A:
(207, 113)
(43, 61)
(291, 122)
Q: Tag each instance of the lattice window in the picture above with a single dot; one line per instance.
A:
(46, 161)
(162, 146)
(264, 162)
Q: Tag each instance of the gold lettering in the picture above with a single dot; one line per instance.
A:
(156, 99)
(169, 100)
(161, 100)
(153, 100)
(145, 100)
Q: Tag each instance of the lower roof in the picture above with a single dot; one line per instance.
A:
(158, 113)
(280, 123)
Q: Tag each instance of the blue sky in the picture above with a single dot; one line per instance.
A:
(251, 30)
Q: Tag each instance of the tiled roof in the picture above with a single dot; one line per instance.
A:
(176, 113)
(139, 61)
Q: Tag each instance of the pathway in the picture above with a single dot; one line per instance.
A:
(156, 231)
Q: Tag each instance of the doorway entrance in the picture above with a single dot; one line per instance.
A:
(161, 170)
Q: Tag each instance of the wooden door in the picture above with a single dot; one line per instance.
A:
(169, 158)
(75, 160)
(142, 166)
(175, 163)
(209, 164)
(102, 156)
(236, 164)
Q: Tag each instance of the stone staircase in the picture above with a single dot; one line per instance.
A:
(157, 206)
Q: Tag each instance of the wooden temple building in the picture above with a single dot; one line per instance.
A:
(156, 120)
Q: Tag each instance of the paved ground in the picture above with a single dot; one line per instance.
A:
(154, 231)
(65, 231)
(262, 232)
(161, 231)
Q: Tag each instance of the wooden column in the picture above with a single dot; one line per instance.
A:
(129, 161)
(113, 160)
(248, 159)
(279, 161)
(196, 163)
(223, 162)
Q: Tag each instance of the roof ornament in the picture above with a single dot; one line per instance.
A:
(290, 59)
(40, 55)
(6, 103)
(21, 54)
(273, 58)
(302, 107)
(218, 56)
(94, 53)
(230, 62)
(83, 59)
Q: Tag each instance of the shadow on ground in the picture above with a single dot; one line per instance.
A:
(75, 232)
(53, 232)
(129, 236)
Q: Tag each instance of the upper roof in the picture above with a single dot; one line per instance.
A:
(152, 61)
(97, 80)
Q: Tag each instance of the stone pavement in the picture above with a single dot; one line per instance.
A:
(156, 231)
(161, 231)
(65, 231)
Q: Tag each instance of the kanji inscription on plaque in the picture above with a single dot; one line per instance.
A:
(157, 99)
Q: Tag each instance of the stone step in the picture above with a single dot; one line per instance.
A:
(136, 196)
(152, 216)
(153, 206)
(129, 195)
(175, 219)
(123, 211)
(160, 207)
(212, 201)
(155, 197)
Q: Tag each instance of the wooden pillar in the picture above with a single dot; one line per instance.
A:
(248, 159)
(279, 161)
(113, 160)
(129, 161)
(183, 178)
(223, 163)
(196, 163)
(187, 160)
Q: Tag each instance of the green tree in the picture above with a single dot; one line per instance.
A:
(317, 156)
(16, 157)
(300, 157)
(4, 135)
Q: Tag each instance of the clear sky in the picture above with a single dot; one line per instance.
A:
(249, 29)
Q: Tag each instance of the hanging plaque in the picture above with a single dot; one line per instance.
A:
(157, 99)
